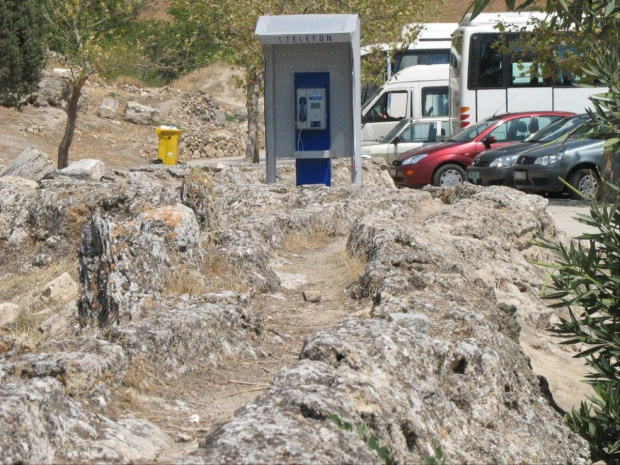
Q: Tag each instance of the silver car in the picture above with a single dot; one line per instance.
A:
(408, 134)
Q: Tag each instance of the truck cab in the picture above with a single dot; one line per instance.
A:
(416, 92)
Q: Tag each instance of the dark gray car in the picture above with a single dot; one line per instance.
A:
(574, 160)
(494, 167)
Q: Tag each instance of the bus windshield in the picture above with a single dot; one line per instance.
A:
(471, 132)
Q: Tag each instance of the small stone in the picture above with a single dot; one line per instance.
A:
(183, 437)
(312, 296)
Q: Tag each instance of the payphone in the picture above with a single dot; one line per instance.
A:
(312, 93)
(311, 109)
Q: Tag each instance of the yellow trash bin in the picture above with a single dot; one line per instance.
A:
(168, 144)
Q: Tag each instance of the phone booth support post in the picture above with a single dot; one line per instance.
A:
(312, 93)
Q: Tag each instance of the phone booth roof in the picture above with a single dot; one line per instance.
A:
(299, 29)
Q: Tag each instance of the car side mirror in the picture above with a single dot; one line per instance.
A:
(396, 140)
(487, 141)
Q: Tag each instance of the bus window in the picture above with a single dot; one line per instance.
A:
(490, 63)
(435, 101)
(445, 130)
(521, 74)
(420, 57)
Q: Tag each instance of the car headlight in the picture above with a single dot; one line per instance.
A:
(503, 162)
(414, 159)
(548, 159)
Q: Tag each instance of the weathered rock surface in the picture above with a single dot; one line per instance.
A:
(108, 108)
(19, 182)
(450, 268)
(476, 396)
(53, 90)
(43, 424)
(8, 313)
(60, 291)
(87, 169)
(120, 264)
(30, 164)
(140, 114)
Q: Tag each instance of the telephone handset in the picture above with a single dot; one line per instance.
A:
(311, 109)
(303, 110)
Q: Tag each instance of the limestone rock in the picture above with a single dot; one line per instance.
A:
(60, 291)
(53, 91)
(139, 114)
(42, 424)
(312, 296)
(87, 169)
(120, 263)
(409, 389)
(18, 181)
(198, 193)
(30, 164)
(60, 320)
(108, 108)
(8, 313)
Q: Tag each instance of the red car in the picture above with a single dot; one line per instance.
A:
(444, 164)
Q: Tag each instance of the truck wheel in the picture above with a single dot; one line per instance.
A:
(585, 181)
(449, 176)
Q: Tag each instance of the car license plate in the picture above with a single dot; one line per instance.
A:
(392, 172)
(520, 175)
(473, 175)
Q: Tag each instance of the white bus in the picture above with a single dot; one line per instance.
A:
(484, 81)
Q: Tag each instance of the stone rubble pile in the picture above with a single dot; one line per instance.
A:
(208, 131)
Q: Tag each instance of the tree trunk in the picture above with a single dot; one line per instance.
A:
(72, 114)
(607, 173)
(252, 97)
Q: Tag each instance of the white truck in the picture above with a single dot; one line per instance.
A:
(415, 92)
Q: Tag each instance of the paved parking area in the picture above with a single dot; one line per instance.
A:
(564, 211)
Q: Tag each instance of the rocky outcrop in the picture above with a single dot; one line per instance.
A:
(44, 425)
(53, 91)
(30, 164)
(475, 395)
(446, 272)
(121, 264)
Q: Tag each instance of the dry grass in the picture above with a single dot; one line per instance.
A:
(128, 81)
(220, 80)
(23, 289)
(307, 240)
(217, 274)
(185, 281)
(223, 275)
(354, 266)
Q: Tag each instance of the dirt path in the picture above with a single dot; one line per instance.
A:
(187, 407)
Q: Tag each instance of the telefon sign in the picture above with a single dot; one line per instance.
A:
(305, 39)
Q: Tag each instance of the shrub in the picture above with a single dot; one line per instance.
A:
(22, 49)
(586, 280)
